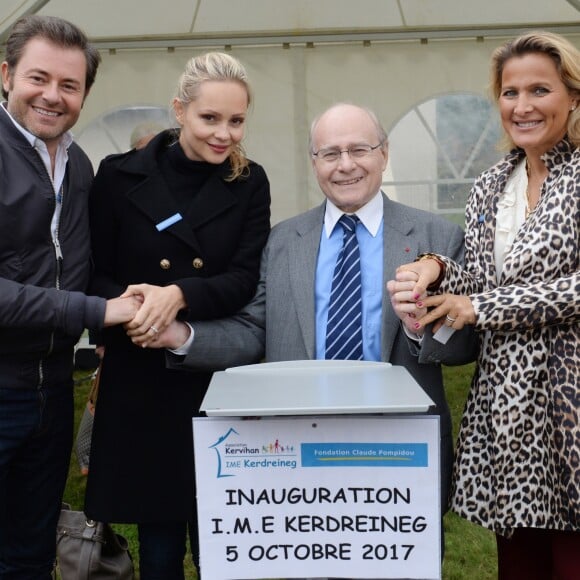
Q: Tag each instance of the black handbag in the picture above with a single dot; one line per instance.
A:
(89, 550)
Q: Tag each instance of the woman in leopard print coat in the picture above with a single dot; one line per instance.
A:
(517, 470)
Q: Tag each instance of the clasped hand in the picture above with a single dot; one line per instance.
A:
(158, 310)
(146, 312)
(417, 309)
(403, 300)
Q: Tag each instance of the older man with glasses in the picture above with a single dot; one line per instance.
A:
(323, 288)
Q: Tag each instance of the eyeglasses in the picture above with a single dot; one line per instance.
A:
(354, 152)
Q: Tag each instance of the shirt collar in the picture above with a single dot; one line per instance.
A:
(34, 141)
(370, 215)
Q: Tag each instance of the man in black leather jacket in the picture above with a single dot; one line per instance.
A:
(44, 270)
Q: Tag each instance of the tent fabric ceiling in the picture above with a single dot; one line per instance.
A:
(111, 23)
(390, 55)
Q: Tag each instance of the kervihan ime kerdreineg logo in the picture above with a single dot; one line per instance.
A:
(233, 455)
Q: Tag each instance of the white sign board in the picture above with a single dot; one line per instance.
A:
(341, 497)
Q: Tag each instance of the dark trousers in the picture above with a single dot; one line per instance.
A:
(537, 554)
(36, 432)
(162, 548)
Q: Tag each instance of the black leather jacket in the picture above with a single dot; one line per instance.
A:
(43, 310)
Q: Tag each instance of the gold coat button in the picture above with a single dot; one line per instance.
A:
(198, 263)
(165, 264)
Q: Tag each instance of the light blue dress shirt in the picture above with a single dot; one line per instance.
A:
(370, 238)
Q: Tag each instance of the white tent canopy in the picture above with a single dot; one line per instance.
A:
(301, 55)
(115, 23)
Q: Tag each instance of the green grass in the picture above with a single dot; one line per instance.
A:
(470, 552)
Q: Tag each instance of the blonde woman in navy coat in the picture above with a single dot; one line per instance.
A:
(183, 222)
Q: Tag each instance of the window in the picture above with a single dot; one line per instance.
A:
(111, 132)
(438, 148)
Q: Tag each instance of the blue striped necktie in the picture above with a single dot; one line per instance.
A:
(344, 326)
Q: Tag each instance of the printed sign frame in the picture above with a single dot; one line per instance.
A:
(320, 496)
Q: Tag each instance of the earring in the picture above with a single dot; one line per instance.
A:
(573, 108)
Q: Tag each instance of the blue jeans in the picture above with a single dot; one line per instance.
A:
(36, 432)
(162, 548)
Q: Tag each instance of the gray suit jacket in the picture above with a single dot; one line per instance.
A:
(279, 323)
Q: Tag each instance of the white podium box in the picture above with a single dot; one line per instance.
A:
(314, 387)
(317, 469)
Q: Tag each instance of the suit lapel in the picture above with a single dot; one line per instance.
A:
(152, 197)
(302, 255)
(399, 247)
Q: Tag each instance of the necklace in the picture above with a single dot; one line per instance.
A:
(529, 208)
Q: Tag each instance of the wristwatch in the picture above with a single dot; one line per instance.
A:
(442, 268)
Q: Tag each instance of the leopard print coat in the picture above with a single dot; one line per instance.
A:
(518, 452)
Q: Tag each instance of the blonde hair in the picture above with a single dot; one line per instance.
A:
(215, 66)
(565, 56)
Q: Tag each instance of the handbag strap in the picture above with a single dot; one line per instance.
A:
(87, 548)
(94, 391)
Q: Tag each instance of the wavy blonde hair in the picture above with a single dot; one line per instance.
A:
(565, 56)
(216, 66)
